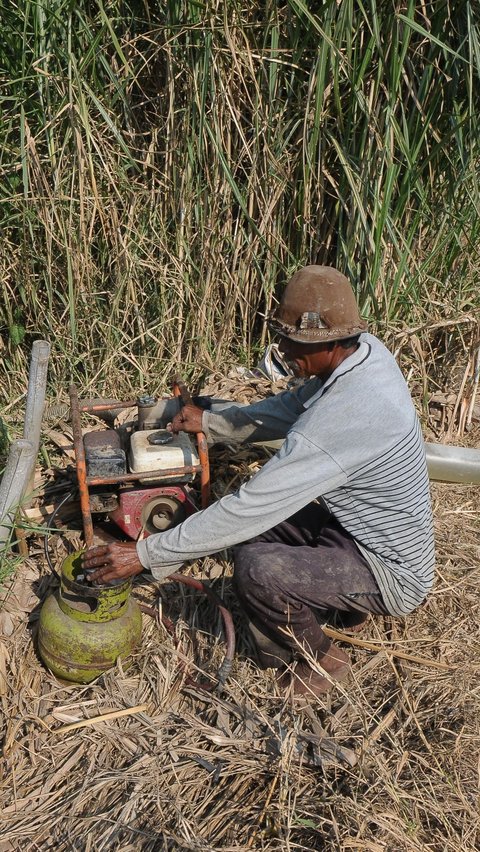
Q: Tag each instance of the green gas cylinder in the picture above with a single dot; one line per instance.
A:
(83, 629)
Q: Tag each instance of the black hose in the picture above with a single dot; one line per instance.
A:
(49, 528)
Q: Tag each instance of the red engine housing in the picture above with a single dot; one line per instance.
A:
(151, 510)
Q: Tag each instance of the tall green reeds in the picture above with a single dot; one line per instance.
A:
(164, 168)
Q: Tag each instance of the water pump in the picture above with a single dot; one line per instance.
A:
(139, 478)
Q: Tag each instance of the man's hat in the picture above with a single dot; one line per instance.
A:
(318, 305)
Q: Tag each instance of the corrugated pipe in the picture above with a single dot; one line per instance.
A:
(37, 383)
(13, 485)
(19, 472)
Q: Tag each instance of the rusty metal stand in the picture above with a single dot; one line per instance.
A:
(81, 466)
(181, 391)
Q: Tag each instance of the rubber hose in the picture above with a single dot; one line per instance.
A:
(226, 665)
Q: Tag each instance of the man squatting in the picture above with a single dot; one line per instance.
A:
(338, 523)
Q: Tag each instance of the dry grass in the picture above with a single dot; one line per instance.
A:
(204, 152)
(386, 764)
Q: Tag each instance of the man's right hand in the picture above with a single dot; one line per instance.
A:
(188, 419)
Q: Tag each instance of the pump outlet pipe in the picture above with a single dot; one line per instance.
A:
(14, 485)
(37, 383)
(447, 463)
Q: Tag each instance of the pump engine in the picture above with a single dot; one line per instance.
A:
(138, 475)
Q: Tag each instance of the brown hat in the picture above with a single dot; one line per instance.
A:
(317, 305)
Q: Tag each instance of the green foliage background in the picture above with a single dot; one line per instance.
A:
(165, 167)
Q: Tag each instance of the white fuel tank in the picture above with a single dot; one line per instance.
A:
(178, 451)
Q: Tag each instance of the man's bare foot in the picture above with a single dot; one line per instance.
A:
(307, 681)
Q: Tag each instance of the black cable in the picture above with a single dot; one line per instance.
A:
(49, 527)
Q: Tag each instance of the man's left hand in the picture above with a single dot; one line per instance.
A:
(115, 561)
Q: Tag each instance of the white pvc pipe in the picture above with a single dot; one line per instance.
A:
(14, 484)
(37, 383)
(447, 463)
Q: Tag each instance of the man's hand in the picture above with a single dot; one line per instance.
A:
(115, 561)
(189, 419)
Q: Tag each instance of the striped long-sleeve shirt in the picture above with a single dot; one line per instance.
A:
(352, 440)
